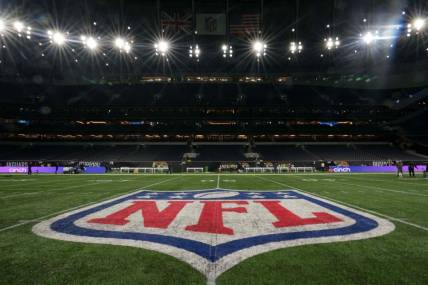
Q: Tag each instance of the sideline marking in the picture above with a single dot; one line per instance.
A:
(218, 180)
(350, 205)
(84, 205)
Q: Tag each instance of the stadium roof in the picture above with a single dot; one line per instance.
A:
(243, 36)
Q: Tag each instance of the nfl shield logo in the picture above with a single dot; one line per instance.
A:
(215, 229)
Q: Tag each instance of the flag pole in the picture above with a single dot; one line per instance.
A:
(261, 16)
(227, 21)
(158, 15)
(193, 18)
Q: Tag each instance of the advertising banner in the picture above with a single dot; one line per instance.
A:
(47, 169)
(372, 169)
(34, 169)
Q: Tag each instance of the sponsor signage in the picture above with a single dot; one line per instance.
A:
(371, 169)
(47, 169)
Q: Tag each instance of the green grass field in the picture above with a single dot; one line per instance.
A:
(400, 257)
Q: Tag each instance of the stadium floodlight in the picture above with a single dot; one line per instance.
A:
(296, 47)
(122, 45)
(227, 51)
(57, 38)
(2, 25)
(28, 32)
(162, 47)
(194, 52)
(419, 24)
(259, 48)
(89, 42)
(18, 26)
(369, 38)
(330, 43)
(119, 43)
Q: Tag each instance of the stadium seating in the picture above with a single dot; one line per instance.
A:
(285, 153)
(92, 153)
(389, 152)
(205, 153)
(220, 153)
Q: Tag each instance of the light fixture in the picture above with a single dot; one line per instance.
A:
(89, 42)
(162, 47)
(296, 47)
(2, 25)
(259, 48)
(331, 43)
(369, 38)
(122, 45)
(418, 24)
(18, 26)
(57, 38)
(194, 52)
(227, 51)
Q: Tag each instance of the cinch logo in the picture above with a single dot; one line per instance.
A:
(342, 169)
(214, 230)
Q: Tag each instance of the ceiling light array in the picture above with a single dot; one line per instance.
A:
(19, 28)
(227, 51)
(123, 45)
(194, 52)
(89, 42)
(259, 48)
(162, 47)
(331, 43)
(295, 47)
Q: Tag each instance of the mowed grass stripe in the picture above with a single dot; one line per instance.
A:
(26, 209)
(396, 182)
(39, 183)
(348, 204)
(406, 207)
(48, 188)
(384, 189)
(19, 195)
(19, 185)
(29, 259)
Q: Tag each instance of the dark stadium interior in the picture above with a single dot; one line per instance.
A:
(60, 104)
(214, 142)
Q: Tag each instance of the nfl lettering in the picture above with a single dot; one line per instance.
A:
(215, 229)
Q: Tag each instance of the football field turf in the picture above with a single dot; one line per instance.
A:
(400, 257)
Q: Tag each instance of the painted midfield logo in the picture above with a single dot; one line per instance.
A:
(216, 229)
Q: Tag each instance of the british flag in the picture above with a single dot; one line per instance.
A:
(177, 22)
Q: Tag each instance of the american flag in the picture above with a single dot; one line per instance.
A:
(247, 24)
(177, 22)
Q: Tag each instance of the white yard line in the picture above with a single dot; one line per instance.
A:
(218, 181)
(83, 205)
(350, 205)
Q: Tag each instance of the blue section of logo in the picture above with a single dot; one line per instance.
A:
(211, 252)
